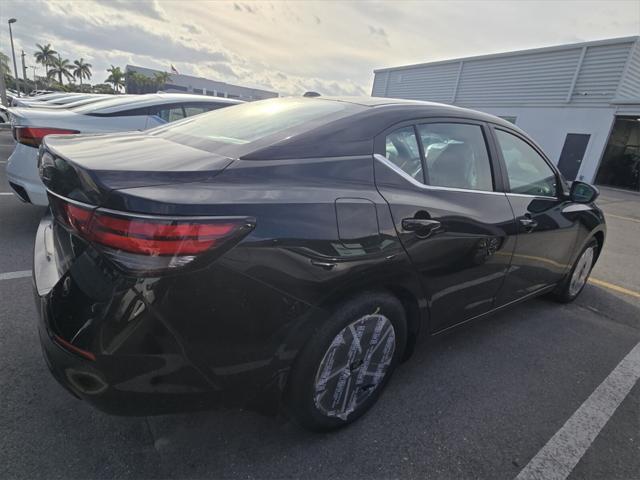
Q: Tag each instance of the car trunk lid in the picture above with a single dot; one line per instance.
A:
(93, 168)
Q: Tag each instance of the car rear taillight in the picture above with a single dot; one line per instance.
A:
(32, 136)
(149, 245)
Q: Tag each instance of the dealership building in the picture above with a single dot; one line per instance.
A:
(202, 86)
(580, 102)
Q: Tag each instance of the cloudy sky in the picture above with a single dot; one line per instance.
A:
(291, 47)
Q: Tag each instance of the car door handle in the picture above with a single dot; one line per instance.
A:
(528, 223)
(421, 226)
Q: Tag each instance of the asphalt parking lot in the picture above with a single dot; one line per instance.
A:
(478, 403)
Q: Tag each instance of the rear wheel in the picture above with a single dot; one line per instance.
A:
(343, 369)
(573, 284)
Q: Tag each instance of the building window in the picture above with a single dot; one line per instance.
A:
(197, 91)
(180, 88)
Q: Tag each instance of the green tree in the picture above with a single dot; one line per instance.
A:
(136, 82)
(115, 78)
(81, 70)
(45, 56)
(60, 67)
(102, 88)
(160, 78)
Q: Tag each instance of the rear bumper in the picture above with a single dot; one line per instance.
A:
(22, 171)
(157, 345)
(108, 383)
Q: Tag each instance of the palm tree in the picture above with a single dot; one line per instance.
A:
(45, 56)
(160, 78)
(81, 70)
(4, 64)
(136, 82)
(116, 77)
(60, 67)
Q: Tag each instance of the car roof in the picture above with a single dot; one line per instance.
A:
(427, 109)
(352, 134)
(119, 103)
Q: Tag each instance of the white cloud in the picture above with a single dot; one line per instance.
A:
(291, 47)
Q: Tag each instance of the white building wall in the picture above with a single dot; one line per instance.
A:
(549, 127)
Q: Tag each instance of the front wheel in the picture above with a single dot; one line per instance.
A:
(345, 366)
(573, 284)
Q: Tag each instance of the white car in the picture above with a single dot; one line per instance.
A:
(115, 114)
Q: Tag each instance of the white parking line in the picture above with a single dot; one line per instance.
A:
(12, 275)
(6, 193)
(561, 454)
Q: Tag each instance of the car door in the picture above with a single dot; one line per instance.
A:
(451, 217)
(546, 228)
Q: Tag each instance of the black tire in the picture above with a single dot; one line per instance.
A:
(367, 312)
(563, 292)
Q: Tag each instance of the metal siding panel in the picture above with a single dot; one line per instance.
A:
(600, 74)
(540, 78)
(630, 83)
(536, 79)
(435, 84)
(378, 81)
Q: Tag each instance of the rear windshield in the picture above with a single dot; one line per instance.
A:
(249, 122)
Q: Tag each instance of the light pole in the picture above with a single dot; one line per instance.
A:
(13, 54)
(24, 74)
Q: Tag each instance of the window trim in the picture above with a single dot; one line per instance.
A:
(561, 192)
(496, 168)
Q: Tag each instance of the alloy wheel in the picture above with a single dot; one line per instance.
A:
(581, 272)
(354, 365)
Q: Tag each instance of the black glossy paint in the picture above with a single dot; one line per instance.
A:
(328, 226)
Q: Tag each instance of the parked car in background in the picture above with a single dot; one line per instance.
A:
(4, 114)
(288, 253)
(36, 93)
(55, 100)
(24, 100)
(113, 114)
(76, 102)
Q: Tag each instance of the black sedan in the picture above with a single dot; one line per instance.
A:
(286, 255)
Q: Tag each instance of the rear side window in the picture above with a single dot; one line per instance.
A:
(169, 113)
(528, 172)
(456, 156)
(401, 149)
(196, 109)
(248, 122)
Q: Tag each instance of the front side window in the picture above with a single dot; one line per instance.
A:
(528, 172)
(456, 156)
(401, 149)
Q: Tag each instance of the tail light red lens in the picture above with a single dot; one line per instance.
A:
(32, 136)
(151, 244)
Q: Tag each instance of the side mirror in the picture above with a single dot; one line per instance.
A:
(582, 192)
